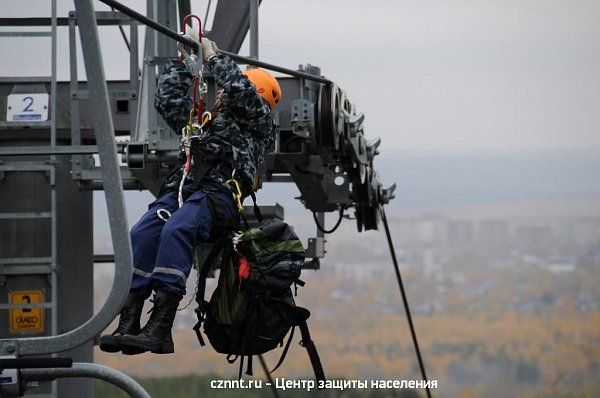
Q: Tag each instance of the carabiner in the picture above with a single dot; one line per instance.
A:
(237, 195)
(187, 19)
(192, 58)
(163, 214)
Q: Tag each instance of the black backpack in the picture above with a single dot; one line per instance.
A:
(252, 308)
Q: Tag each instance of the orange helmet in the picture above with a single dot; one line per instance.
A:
(266, 85)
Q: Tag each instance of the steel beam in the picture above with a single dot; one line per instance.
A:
(253, 17)
(104, 19)
(25, 34)
(47, 150)
(230, 24)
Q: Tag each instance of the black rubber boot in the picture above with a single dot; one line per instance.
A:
(156, 335)
(129, 323)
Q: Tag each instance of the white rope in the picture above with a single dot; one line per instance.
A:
(186, 136)
(186, 145)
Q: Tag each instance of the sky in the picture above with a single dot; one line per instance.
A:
(432, 77)
(475, 101)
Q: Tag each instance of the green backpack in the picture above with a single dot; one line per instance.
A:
(252, 308)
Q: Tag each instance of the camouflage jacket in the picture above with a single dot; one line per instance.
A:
(237, 136)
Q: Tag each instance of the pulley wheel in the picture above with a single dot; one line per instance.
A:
(371, 217)
(328, 109)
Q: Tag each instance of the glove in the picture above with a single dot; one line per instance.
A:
(209, 49)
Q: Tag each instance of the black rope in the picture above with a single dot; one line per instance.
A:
(123, 35)
(263, 364)
(190, 43)
(333, 229)
(405, 301)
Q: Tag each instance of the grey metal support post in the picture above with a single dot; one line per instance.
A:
(321, 219)
(54, 279)
(53, 210)
(76, 161)
(146, 119)
(53, 81)
(134, 69)
(73, 83)
(111, 174)
(253, 15)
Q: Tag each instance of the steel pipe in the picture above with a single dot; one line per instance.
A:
(96, 371)
(48, 150)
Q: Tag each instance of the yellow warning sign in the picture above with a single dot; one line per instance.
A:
(26, 320)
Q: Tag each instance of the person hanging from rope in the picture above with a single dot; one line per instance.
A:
(226, 150)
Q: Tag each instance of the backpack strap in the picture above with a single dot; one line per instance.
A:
(241, 366)
(298, 282)
(249, 366)
(246, 224)
(202, 274)
(231, 358)
(284, 352)
(222, 223)
(257, 212)
(302, 315)
(307, 343)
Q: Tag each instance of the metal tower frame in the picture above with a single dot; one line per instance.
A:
(111, 173)
(321, 140)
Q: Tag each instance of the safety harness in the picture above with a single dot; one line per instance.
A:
(191, 131)
(194, 64)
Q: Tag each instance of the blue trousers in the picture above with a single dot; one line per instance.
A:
(163, 251)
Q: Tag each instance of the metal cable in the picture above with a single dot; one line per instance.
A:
(188, 42)
(123, 33)
(207, 12)
(334, 228)
(405, 300)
